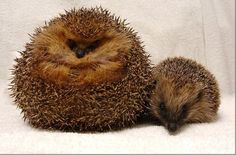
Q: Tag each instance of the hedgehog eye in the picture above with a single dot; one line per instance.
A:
(183, 111)
(94, 45)
(162, 106)
(72, 44)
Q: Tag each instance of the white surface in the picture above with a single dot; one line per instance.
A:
(198, 29)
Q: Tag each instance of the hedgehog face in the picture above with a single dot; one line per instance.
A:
(63, 55)
(81, 49)
(174, 104)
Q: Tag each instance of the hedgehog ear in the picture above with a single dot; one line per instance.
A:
(154, 82)
(151, 86)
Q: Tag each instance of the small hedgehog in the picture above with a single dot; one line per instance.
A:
(83, 71)
(185, 93)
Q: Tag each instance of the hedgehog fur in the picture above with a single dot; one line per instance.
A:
(85, 70)
(185, 93)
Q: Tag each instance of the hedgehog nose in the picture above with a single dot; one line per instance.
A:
(80, 53)
(172, 127)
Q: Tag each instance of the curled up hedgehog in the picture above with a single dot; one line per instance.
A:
(185, 92)
(83, 71)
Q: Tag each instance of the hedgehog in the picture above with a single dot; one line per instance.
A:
(84, 70)
(185, 92)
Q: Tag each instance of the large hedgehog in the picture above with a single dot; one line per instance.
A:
(83, 71)
(185, 93)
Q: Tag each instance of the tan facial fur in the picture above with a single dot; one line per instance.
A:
(58, 63)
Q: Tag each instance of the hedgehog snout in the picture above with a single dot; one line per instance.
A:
(172, 127)
(173, 121)
(80, 52)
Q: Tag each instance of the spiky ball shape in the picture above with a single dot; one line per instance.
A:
(83, 71)
(185, 93)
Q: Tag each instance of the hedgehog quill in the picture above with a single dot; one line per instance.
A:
(185, 93)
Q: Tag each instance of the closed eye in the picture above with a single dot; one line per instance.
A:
(95, 44)
(72, 44)
(183, 112)
(162, 106)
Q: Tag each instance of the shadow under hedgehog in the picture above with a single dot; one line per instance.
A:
(83, 71)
